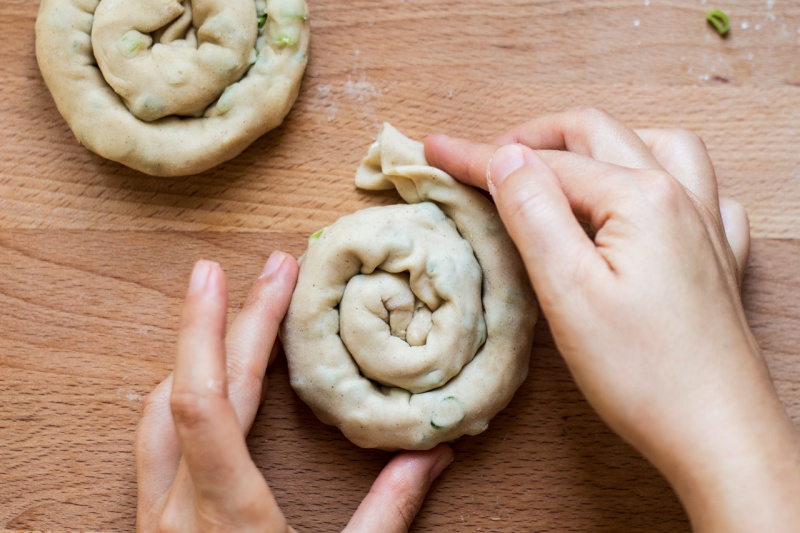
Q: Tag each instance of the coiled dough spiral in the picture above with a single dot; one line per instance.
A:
(410, 324)
(172, 87)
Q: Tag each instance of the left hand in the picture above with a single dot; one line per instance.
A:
(193, 468)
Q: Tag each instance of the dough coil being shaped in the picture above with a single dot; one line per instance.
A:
(410, 324)
(172, 87)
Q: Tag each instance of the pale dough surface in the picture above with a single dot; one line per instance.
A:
(410, 324)
(172, 87)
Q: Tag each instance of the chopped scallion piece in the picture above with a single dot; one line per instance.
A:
(720, 21)
(315, 236)
(285, 40)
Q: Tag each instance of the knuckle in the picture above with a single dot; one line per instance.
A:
(168, 522)
(242, 374)
(189, 409)
(592, 115)
(264, 303)
(152, 405)
(685, 140)
(524, 202)
(255, 295)
(406, 510)
(733, 209)
(405, 507)
(273, 312)
(401, 497)
(661, 189)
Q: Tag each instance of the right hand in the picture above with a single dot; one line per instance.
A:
(647, 314)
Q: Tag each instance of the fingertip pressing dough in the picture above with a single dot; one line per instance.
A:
(410, 324)
(172, 87)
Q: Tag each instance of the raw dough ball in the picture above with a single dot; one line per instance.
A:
(172, 87)
(410, 324)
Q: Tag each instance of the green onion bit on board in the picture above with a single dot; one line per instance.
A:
(720, 21)
(315, 236)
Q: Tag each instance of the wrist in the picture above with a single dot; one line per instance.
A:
(739, 470)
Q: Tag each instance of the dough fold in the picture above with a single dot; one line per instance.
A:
(410, 324)
(172, 87)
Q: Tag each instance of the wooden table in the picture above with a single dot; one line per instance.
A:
(94, 257)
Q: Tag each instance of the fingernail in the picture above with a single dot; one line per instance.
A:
(273, 264)
(200, 274)
(505, 160)
(442, 462)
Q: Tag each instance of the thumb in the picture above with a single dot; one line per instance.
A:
(396, 496)
(539, 219)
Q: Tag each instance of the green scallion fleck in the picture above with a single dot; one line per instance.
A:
(720, 21)
(285, 40)
(262, 20)
(131, 43)
(315, 236)
(434, 426)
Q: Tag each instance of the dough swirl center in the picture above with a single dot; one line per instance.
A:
(410, 313)
(164, 57)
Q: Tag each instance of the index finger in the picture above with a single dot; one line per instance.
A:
(590, 186)
(466, 161)
(584, 131)
(212, 443)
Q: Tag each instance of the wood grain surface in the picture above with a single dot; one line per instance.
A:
(94, 257)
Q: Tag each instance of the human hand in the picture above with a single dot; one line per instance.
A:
(193, 468)
(647, 313)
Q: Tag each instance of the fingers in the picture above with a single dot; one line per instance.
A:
(585, 131)
(209, 432)
(539, 218)
(737, 231)
(252, 335)
(537, 205)
(468, 162)
(683, 154)
(596, 134)
(398, 492)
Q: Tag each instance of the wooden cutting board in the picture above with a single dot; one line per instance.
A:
(94, 257)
